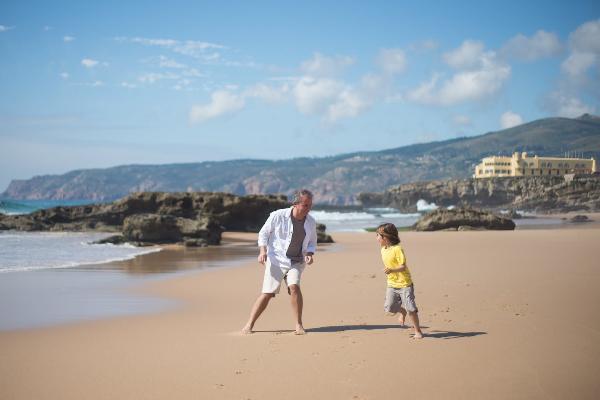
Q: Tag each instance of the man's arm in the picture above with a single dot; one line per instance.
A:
(312, 244)
(263, 239)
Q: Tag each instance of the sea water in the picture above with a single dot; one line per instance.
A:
(27, 251)
(358, 220)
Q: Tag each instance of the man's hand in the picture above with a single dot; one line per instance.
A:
(262, 255)
(308, 259)
(387, 270)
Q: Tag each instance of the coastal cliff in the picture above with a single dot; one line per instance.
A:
(540, 194)
(334, 180)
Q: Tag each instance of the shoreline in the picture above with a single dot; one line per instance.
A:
(482, 297)
(100, 291)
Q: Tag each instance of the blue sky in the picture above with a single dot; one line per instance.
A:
(109, 83)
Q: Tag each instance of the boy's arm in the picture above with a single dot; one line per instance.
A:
(401, 260)
(399, 269)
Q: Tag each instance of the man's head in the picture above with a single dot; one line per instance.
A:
(302, 203)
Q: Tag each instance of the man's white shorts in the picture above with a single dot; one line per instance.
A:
(274, 274)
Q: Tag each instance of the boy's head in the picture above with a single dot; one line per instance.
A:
(389, 232)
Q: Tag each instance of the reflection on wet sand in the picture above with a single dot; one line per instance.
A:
(235, 248)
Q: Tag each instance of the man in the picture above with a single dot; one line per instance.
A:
(287, 242)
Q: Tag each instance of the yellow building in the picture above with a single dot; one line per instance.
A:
(522, 165)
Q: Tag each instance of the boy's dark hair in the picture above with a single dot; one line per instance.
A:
(389, 231)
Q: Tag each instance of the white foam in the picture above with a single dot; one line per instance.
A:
(423, 205)
(28, 251)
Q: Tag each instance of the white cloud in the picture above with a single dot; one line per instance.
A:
(481, 75)
(313, 96)
(323, 66)
(128, 85)
(577, 64)
(222, 103)
(165, 62)
(566, 105)
(200, 50)
(467, 55)
(586, 38)
(510, 119)
(68, 38)
(64, 75)
(153, 77)
(89, 63)
(584, 44)
(541, 44)
(4, 28)
(270, 94)
(392, 61)
(349, 103)
(328, 98)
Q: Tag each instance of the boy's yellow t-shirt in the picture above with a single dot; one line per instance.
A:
(393, 257)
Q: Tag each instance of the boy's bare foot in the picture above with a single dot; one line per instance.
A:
(299, 330)
(247, 330)
(418, 335)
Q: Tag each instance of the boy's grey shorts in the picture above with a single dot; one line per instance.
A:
(397, 297)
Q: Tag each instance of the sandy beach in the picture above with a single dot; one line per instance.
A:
(505, 314)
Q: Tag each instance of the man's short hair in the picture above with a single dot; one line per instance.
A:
(301, 193)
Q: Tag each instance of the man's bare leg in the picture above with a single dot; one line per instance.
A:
(259, 306)
(297, 303)
(414, 318)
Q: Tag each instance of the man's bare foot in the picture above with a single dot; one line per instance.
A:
(247, 330)
(418, 335)
(299, 330)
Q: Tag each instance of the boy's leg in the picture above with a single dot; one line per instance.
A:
(408, 301)
(414, 319)
(402, 316)
(259, 306)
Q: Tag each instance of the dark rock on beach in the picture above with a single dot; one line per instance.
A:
(322, 236)
(462, 219)
(157, 217)
(577, 219)
(194, 219)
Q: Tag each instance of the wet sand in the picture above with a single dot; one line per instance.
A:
(506, 315)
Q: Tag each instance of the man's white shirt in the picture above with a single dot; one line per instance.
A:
(276, 235)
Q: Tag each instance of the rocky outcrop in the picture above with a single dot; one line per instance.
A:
(539, 194)
(462, 219)
(195, 219)
(156, 217)
(322, 236)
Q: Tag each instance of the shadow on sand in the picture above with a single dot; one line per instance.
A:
(428, 334)
(342, 328)
(451, 334)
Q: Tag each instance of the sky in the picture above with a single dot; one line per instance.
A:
(99, 84)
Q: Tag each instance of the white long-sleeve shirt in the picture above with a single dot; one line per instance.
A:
(276, 235)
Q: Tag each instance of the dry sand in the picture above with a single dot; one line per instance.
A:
(506, 315)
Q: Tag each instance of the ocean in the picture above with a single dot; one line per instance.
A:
(14, 207)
